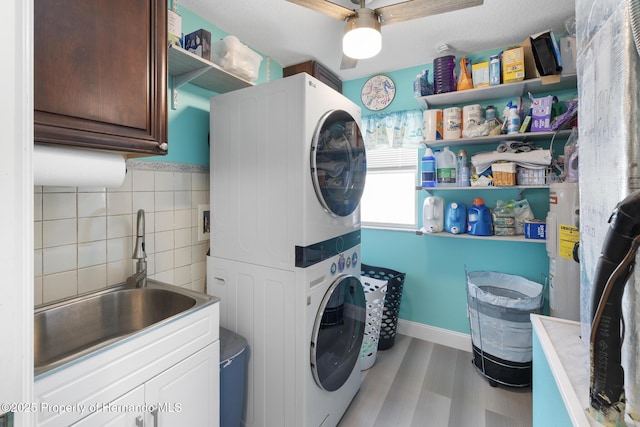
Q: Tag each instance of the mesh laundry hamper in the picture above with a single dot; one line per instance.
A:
(500, 305)
(374, 292)
(395, 281)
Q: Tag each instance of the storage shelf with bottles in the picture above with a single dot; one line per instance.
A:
(186, 67)
(504, 90)
(516, 239)
(496, 139)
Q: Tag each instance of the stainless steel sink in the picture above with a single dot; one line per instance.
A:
(67, 330)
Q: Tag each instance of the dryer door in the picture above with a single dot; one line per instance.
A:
(338, 163)
(338, 332)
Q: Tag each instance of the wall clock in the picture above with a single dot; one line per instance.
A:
(378, 92)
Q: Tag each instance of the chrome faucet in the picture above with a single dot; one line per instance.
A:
(139, 279)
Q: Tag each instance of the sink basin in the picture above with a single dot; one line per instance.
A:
(67, 330)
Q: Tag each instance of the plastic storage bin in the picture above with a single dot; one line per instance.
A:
(395, 281)
(500, 305)
(236, 58)
(374, 291)
(233, 377)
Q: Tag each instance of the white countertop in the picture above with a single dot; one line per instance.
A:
(568, 358)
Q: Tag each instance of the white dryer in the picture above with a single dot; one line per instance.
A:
(304, 328)
(287, 170)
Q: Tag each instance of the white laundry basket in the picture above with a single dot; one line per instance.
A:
(500, 305)
(374, 291)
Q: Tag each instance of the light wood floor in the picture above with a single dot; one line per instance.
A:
(417, 383)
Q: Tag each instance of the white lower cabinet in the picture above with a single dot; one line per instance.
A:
(166, 376)
(184, 395)
(187, 394)
(109, 416)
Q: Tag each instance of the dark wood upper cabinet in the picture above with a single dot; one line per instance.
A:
(100, 74)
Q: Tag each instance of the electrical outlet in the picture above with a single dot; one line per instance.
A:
(204, 222)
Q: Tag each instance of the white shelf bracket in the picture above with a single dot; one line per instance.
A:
(177, 81)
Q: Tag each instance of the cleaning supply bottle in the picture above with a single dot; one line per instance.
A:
(417, 86)
(446, 168)
(428, 169)
(514, 120)
(463, 169)
(479, 222)
(455, 221)
(433, 214)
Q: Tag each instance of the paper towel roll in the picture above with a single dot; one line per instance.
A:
(74, 167)
(432, 124)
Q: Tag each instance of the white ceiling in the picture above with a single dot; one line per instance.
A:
(290, 34)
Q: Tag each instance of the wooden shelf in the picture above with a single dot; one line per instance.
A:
(496, 92)
(186, 67)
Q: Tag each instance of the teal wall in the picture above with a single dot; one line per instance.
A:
(188, 125)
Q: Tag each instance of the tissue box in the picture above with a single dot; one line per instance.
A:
(236, 58)
(199, 42)
(513, 65)
(541, 114)
(535, 229)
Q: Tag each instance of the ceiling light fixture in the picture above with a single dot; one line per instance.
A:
(362, 38)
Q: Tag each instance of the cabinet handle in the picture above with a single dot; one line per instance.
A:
(139, 421)
(154, 414)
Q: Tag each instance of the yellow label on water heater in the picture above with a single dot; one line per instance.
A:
(569, 235)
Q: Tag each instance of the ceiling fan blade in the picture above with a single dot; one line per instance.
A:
(348, 63)
(326, 7)
(413, 9)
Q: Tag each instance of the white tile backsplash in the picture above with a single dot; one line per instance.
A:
(58, 205)
(84, 236)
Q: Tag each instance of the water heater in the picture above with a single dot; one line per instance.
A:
(562, 236)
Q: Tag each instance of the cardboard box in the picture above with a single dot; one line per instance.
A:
(535, 229)
(199, 42)
(480, 74)
(513, 66)
(174, 27)
(541, 114)
(531, 72)
(568, 53)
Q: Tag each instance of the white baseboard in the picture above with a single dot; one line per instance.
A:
(434, 334)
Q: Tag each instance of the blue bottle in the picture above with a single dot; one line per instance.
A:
(479, 219)
(428, 169)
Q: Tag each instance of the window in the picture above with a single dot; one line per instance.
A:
(389, 198)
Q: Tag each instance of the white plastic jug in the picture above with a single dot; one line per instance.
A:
(446, 168)
(433, 214)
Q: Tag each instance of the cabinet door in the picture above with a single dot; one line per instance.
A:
(188, 394)
(112, 416)
(100, 74)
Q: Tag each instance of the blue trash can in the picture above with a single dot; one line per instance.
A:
(234, 357)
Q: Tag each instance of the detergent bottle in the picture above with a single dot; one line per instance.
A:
(428, 169)
(432, 214)
(479, 220)
(455, 219)
(446, 168)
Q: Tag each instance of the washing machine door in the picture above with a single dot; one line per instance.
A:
(338, 332)
(338, 163)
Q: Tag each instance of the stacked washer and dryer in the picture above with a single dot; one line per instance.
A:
(287, 173)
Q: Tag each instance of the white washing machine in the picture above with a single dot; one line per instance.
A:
(304, 328)
(287, 174)
(287, 170)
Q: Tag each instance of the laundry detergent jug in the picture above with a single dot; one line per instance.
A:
(479, 219)
(455, 218)
(432, 214)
